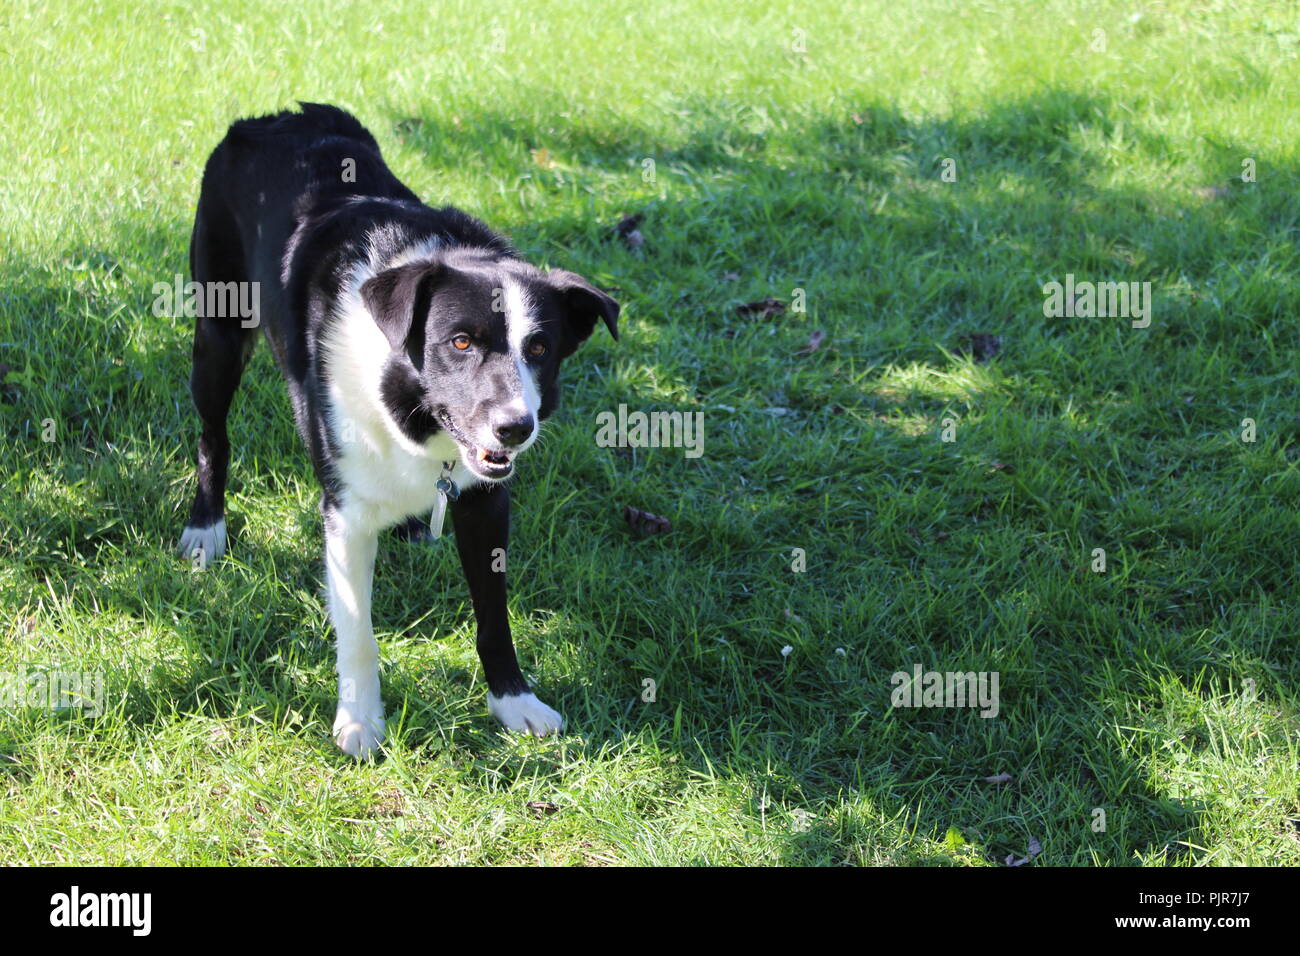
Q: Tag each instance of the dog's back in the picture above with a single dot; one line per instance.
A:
(316, 120)
(321, 157)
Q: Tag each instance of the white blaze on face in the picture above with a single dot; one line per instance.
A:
(520, 325)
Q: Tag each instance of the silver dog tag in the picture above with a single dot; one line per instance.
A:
(447, 490)
(439, 513)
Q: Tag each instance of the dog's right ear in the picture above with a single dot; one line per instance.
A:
(394, 295)
(585, 305)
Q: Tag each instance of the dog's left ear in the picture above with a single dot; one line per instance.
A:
(585, 304)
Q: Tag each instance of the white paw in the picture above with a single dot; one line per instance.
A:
(359, 731)
(202, 546)
(526, 713)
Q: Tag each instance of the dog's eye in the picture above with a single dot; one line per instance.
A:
(536, 348)
(461, 342)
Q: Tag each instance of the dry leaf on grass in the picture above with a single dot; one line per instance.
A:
(981, 346)
(645, 523)
(814, 343)
(1034, 849)
(629, 231)
(762, 309)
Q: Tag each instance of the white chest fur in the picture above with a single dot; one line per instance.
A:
(385, 477)
(383, 483)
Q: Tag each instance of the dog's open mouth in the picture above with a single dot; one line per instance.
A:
(491, 464)
(485, 462)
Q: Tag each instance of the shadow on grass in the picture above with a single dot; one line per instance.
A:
(853, 206)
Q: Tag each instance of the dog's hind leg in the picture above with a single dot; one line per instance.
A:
(414, 530)
(349, 573)
(222, 346)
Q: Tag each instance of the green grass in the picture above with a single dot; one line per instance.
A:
(1162, 691)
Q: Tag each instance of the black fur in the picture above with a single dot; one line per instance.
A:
(276, 209)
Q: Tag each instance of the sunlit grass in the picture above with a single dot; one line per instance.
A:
(1161, 691)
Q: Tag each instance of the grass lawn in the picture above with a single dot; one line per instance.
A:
(906, 177)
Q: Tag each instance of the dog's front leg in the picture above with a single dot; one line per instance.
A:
(349, 573)
(481, 516)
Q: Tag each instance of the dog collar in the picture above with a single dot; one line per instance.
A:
(445, 484)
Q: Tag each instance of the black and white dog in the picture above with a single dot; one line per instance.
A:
(421, 355)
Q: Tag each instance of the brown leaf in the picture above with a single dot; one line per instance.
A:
(1000, 778)
(814, 343)
(645, 523)
(628, 223)
(543, 808)
(542, 157)
(1035, 848)
(1211, 192)
(981, 346)
(629, 232)
(761, 309)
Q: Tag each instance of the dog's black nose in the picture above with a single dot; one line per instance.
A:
(513, 434)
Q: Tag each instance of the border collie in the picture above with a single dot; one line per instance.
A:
(421, 354)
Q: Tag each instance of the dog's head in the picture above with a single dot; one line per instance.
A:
(476, 344)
